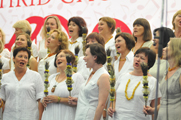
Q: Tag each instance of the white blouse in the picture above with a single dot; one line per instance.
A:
(5, 53)
(74, 45)
(21, 96)
(133, 109)
(41, 66)
(5, 62)
(42, 50)
(60, 111)
(127, 67)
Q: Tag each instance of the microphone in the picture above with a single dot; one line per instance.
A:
(154, 43)
(48, 30)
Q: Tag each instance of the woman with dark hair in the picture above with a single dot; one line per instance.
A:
(56, 103)
(23, 40)
(94, 92)
(176, 24)
(142, 34)
(168, 33)
(170, 84)
(75, 25)
(53, 23)
(57, 41)
(129, 101)
(106, 27)
(21, 89)
(124, 42)
(90, 39)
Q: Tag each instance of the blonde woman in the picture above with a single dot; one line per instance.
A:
(57, 41)
(4, 51)
(176, 24)
(53, 23)
(23, 26)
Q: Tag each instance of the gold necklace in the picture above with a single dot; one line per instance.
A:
(129, 98)
(54, 87)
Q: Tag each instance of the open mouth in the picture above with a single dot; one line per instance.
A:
(70, 31)
(136, 64)
(21, 63)
(59, 63)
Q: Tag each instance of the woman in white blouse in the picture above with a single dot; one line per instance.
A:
(124, 42)
(57, 41)
(129, 101)
(20, 92)
(56, 103)
(94, 91)
(53, 23)
(75, 25)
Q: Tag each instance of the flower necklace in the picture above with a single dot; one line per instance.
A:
(129, 98)
(56, 83)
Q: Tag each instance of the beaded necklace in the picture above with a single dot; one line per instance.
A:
(170, 69)
(126, 95)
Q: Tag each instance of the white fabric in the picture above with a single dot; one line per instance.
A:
(133, 109)
(21, 96)
(148, 43)
(60, 111)
(41, 66)
(88, 97)
(5, 53)
(82, 68)
(5, 62)
(111, 45)
(127, 67)
(163, 66)
(42, 50)
(33, 47)
(74, 45)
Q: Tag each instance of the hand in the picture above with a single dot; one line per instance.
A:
(72, 100)
(110, 111)
(148, 110)
(49, 99)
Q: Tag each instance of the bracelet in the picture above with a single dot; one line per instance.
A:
(59, 98)
(105, 109)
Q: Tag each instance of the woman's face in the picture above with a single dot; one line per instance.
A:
(73, 29)
(89, 58)
(21, 41)
(61, 61)
(156, 39)
(17, 31)
(138, 59)
(52, 41)
(120, 44)
(166, 54)
(138, 30)
(91, 41)
(51, 22)
(21, 59)
(103, 27)
(177, 21)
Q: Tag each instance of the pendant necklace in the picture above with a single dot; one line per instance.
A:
(56, 83)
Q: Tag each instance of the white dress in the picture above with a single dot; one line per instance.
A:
(163, 67)
(78, 43)
(5, 62)
(111, 45)
(21, 96)
(41, 66)
(5, 53)
(88, 97)
(127, 67)
(60, 111)
(146, 44)
(42, 50)
(33, 47)
(133, 109)
(82, 68)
